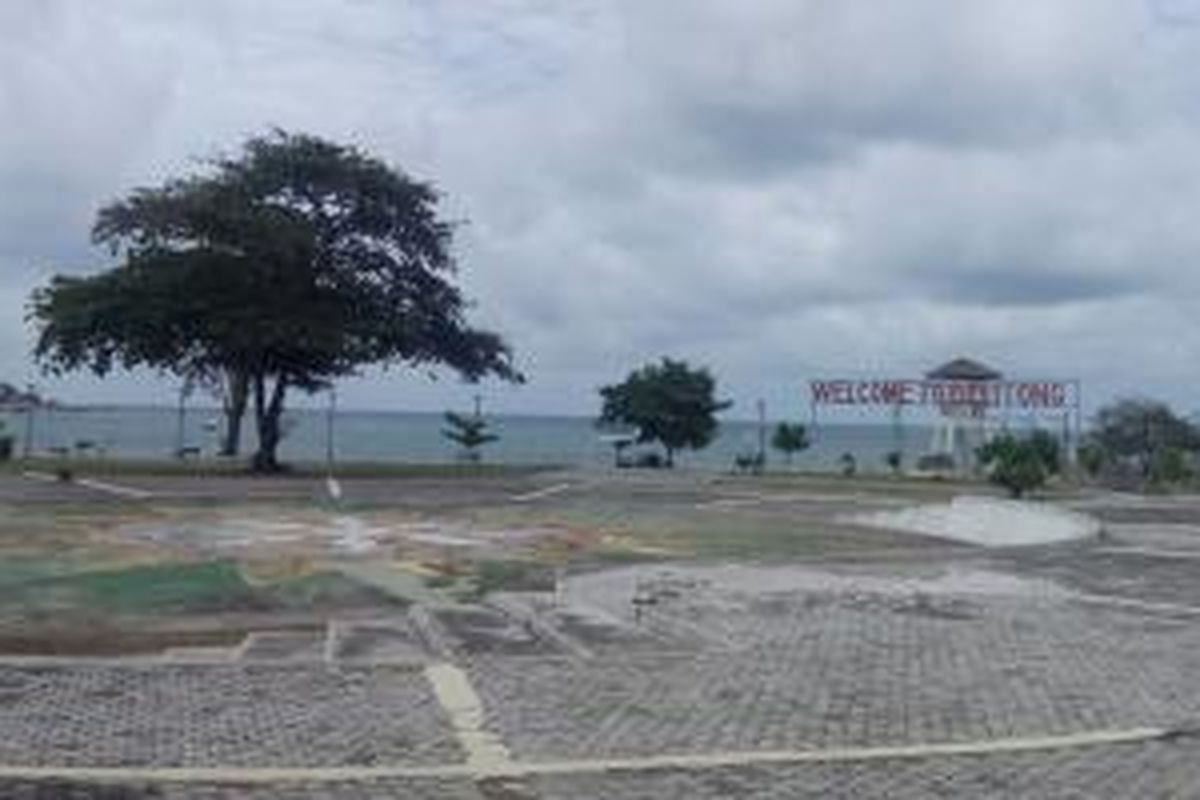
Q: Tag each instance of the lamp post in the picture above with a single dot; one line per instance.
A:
(332, 486)
(180, 434)
(30, 406)
(762, 434)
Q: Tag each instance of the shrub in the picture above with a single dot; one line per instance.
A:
(849, 465)
(1019, 465)
(1171, 465)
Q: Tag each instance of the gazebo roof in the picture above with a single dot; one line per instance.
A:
(964, 369)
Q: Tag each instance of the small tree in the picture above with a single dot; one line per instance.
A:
(790, 439)
(1171, 465)
(1137, 433)
(470, 433)
(670, 403)
(1047, 449)
(1016, 464)
(848, 464)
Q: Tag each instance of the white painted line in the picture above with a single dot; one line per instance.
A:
(813, 498)
(1139, 605)
(1147, 552)
(509, 768)
(540, 493)
(100, 486)
(452, 686)
(112, 488)
(331, 641)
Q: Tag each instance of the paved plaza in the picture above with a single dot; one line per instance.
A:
(1061, 671)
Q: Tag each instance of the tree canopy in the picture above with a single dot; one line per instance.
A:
(288, 265)
(1143, 435)
(468, 432)
(789, 439)
(670, 403)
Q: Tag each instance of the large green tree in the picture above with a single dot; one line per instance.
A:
(670, 403)
(285, 266)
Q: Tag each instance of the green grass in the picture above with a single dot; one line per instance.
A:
(513, 576)
(214, 585)
(172, 589)
(326, 590)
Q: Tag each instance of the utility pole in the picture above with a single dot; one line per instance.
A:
(179, 425)
(332, 486)
(762, 434)
(30, 407)
(329, 417)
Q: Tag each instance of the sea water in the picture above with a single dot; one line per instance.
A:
(404, 437)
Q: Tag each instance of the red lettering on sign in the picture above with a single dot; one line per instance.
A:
(822, 392)
(976, 395)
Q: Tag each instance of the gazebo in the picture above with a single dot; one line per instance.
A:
(963, 424)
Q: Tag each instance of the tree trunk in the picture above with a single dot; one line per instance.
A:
(267, 416)
(237, 395)
(670, 457)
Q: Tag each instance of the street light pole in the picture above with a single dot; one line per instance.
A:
(180, 433)
(762, 434)
(332, 486)
(30, 405)
(329, 417)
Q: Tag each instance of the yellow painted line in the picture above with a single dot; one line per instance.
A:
(509, 768)
(417, 568)
(453, 689)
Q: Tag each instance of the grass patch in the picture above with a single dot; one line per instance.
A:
(512, 576)
(327, 590)
(196, 587)
(34, 592)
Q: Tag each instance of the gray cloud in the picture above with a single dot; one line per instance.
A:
(775, 190)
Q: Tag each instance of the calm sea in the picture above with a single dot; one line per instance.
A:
(141, 432)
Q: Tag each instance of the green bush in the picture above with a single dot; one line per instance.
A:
(1170, 465)
(1047, 449)
(1019, 465)
(1092, 458)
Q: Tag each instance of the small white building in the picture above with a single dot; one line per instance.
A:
(964, 424)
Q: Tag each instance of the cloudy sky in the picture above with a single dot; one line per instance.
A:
(779, 189)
